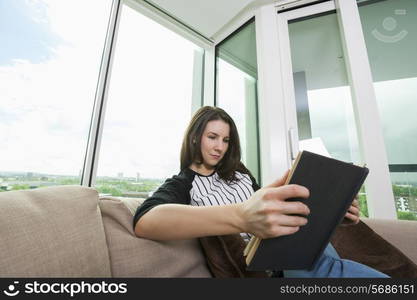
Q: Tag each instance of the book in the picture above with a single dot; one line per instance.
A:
(333, 184)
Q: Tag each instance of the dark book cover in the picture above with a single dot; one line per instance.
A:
(333, 184)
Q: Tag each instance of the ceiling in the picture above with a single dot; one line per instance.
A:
(206, 16)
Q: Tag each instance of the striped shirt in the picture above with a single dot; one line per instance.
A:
(192, 188)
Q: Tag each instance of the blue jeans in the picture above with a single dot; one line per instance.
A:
(331, 265)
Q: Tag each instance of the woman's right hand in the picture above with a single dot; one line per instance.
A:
(266, 214)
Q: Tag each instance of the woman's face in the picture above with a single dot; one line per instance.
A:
(214, 142)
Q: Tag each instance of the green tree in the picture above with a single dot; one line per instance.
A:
(16, 187)
(363, 206)
(69, 181)
(405, 215)
(109, 190)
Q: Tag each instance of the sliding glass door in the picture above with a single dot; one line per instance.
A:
(323, 101)
(391, 40)
(328, 93)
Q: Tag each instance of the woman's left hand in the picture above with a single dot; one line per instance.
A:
(352, 215)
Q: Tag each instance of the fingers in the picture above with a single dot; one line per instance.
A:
(353, 210)
(295, 221)
(287, 192)
(352, 218)
(286, 230)
(352, 215)
(277, 195)
(281, 217)
(292, 208)
(284, 225)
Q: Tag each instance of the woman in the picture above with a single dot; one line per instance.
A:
(222, 197)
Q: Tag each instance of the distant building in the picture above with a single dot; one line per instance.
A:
(402, 204)
(412, 205)
(120, 175)
(137, 177)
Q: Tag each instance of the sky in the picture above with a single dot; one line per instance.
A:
(331, 115)
(149, 102)
(48, 82)
(45, 100)
(30, 30)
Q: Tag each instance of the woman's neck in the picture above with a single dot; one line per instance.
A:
(202, 169)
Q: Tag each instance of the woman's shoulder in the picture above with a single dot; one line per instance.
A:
(184, 177)
(177, 183)
(243, 173)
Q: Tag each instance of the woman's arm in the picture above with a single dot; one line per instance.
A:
(177, 221)
(264, 214)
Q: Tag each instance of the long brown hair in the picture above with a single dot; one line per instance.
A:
(191, 145)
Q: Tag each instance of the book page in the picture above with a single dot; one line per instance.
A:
(314, 145)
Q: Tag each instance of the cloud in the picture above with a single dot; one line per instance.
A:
(331, 115)
(49, 103)
(149, 102)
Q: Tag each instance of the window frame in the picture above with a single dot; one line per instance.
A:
(380, 196)
(89, 171)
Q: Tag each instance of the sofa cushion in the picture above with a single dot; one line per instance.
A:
(131, 256)
(52, 232)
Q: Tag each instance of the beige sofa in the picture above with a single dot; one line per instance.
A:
(68, 231)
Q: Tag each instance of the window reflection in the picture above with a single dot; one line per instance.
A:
(148, 107)
(236, 87)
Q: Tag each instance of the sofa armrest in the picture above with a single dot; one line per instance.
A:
(400, 233)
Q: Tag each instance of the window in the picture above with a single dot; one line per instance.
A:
(391, 38)
(148, 108)
(236, 93)
(322, 91)
(49, 65)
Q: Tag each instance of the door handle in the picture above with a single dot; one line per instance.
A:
(293, 142)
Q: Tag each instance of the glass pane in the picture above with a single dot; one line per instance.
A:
(148, 107)
(322, 91)
(390, 34)
(49, 67)
(237, 74)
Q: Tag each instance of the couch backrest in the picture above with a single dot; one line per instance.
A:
(131, 256)
(52, 232)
